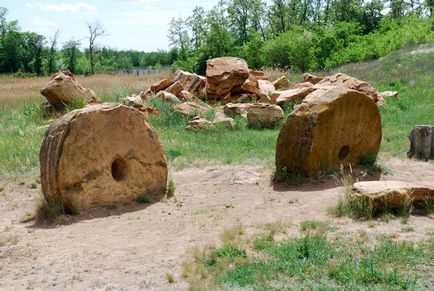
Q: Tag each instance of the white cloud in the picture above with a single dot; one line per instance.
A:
(38, 21)
(76, 7)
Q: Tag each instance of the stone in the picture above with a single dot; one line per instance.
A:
(253, 88)
(234, 109)
(422, 142)
(168, 97)
(303, 85)
(201, 123)
(311, 78)
(133, 101)
(144, 95)
(393, 194)
(264, 115)
(161, 85)
(257, 75)
(184, 95)
(101, 155)
(223, 74)
(281, 83)
(343, 80)
(389, 94)
(192, 83)
(338, 127)
(266, 86)
(64, 89)
(175, 89)
(221, 119)
(191, 108)
(291, 95)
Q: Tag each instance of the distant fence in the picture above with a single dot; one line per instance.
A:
(138, 72)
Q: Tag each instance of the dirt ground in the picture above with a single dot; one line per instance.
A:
(106, 250)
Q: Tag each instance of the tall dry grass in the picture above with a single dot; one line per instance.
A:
(18, 91)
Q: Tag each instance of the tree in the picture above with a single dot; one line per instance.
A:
(52, 52)
(178, 36)
(95, 31)
(70, 54)
(198, 26)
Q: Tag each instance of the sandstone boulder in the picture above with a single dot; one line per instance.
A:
(223, 74)
(175, 89)
(101, 155)
(192, 83)
(340, 126)
(168, 97)
(253, 88)
(161, 85)
(257, 75)
(393, 194)
(311, 78)
(266, 86)
(192, 108)
(343, 80)
(201, 123)
(64, 89)
(291, 95)
(184, 95)
(264, 115)
(422, 142)
(281, 83)
(234, 109)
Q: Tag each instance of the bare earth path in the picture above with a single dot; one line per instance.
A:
(135, 250)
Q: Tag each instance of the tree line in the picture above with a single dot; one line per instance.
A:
(300, 34)
(28, 53)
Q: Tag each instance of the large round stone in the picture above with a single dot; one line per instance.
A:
(101, 155)
(335, 126)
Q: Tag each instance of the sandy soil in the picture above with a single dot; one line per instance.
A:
(107, 250)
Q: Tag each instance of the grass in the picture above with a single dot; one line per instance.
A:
(313, 261)
(23, 123)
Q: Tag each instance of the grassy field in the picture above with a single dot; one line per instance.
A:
(319, 258)
(22, 125)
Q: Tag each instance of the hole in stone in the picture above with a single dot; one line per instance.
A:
(119, 169)
(343, 153)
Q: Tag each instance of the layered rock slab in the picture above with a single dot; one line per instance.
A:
(100, 155)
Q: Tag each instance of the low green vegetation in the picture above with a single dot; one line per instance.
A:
(313, 261)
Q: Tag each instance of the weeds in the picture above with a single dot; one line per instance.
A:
(170, 278)
(171, 188)
(143, 199)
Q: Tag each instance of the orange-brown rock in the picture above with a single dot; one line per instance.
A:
(281, 83)
(192, 108)
(393, 194)
(184, 95)
(234, 109)
(253, 87)
(303, 85)
(101, 155)
(264, 115)
(343, 80)
(168, 97)
(266, 86)
(257, 75)
(311, 78)
(340, 126)
(291, 95)
(200, 123)
(175, 89)
(64, 89)
(192, 83)
(161, 85)
(223, 74)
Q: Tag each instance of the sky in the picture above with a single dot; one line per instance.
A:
(130, 24)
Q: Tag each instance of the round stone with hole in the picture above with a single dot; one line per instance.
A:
(333, 126)
(101, 155)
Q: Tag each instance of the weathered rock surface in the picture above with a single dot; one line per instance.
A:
(253, 88)
(422, 142)
(394, 194)
(291, 95)
(192, 108)
(340, 126)
(257, 75)
(234, 109)
(192, 83)
(201, 123)
(281, 83)
(101, 155)
(311, 78)
(389, 94)
(161, 85)
(168, 97)
(343, 80)
(264, 115)
(175, 89)
(64, 89)
(223, 74)
(184, 95)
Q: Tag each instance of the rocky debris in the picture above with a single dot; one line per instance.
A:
(281, 83)
(264, 115)
(343, 80)
(137, 103)
(311, 78)
(253, 88)
(393, 194)
(184, 95)
(422, 142)
(201, 123)
(389, 94)
(175, 89)
(192, 83)
(258, 75)
(291, 95)
(161, 85)
(101, 155)
(224, 74)
(266, 86)
(302, 85)
(339, 126)
(168, 97)
(192, 108)
(63, 89)
(234, 109)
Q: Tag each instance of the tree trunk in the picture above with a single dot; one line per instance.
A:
(422, 142)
